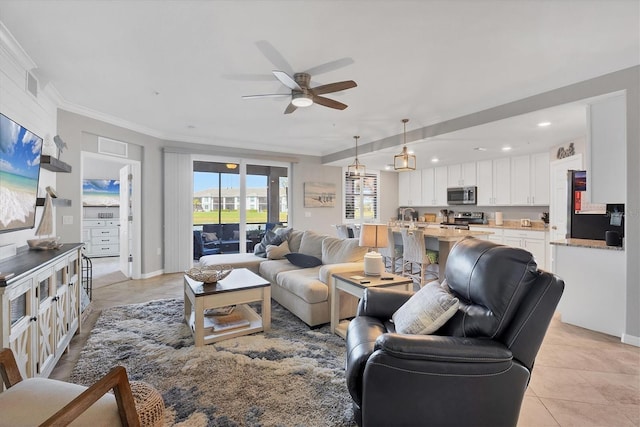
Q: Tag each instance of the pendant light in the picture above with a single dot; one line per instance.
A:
(356, 169)
(404, 161)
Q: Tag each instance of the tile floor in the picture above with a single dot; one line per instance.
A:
(581, 378)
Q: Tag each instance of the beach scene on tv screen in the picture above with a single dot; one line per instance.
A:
(19, 171)
(100, 192)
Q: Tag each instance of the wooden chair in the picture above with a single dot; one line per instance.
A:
(33, 401)
(417, 264)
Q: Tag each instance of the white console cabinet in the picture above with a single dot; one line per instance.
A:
(40, 306)
(101, 237)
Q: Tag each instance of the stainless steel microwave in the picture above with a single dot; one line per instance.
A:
(462, 195)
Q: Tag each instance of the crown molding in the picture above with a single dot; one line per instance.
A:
(16, 50)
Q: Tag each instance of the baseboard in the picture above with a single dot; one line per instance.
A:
(631, 340)
(152, 274)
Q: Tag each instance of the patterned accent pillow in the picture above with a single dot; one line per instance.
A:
(270, 238)
(426, 311)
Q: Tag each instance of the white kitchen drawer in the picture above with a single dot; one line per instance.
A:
(99, 232)
(102, 250)
(524, 234)
(105, 240)
(94, 223)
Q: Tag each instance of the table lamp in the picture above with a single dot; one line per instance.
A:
(373, 236)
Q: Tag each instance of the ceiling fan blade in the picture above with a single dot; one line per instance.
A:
(275, 57)
(290, 108)
(329, 102)
(286, 80)
(329, 66)
(268, 95)
(334, 87)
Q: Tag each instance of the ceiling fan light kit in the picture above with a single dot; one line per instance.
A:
(303, 95)
(356, 169)
(404, 161)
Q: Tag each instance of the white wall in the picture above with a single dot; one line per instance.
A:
(38, 114)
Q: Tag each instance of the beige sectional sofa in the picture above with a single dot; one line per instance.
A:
(304, 291)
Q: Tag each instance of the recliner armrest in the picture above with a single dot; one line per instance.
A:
(382, 303)
(444, 349)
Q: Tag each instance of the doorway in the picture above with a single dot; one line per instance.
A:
(114, 258)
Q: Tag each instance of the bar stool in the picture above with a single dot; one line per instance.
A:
(416, 264)
(392, 254)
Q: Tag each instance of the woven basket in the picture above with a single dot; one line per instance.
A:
(149, 404)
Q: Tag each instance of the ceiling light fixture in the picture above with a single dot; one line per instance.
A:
(302, 99)
(435, 160)
(506, 148)
(404, 161)
(356, 169)
(544, 124)
(231, 165)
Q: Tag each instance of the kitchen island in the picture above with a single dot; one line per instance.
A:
(446, 238)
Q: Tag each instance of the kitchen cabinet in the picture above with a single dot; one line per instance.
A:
(410, 188)
(530, 180)
(40, 307)
(496, 237)
(434, 186)
(530, 240)
(461, 175)
(101, 237)
(494, 182)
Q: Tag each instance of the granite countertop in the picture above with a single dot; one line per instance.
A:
(514, 225)
(586, 243)
(449, 234)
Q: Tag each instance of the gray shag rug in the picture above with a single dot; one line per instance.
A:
(289, 376)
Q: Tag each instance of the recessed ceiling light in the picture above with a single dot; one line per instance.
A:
(480, 149)
(191, 127)
(544, 124)
(506, 148)
(435, 160)
(388, 167)
(410, 152)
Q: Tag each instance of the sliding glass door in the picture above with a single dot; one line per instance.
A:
(235, 203)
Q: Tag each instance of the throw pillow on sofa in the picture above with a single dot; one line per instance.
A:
(426, 311)
(270, 238)
(278, 251)
(303, 260)
(311, 243)
(209, 237)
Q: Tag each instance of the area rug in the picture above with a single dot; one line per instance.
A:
(289, 376)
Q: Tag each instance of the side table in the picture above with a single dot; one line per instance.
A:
(349, 282)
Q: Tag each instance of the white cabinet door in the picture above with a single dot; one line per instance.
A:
(485, 183)
(540, 174)
(520, 181)
(502, 182)
(440, 185)
(410, 188)
(404, 189)
(468, 174)
(454, 175)
(428, 187)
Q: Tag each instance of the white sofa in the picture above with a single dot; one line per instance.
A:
(304, 291)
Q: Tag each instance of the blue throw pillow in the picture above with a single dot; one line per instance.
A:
(270, 238)
(303, 260)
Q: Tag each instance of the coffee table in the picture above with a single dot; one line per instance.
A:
(240, 287)
(349, 282)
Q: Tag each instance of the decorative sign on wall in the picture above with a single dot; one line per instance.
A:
(566, 152)
(319, 195)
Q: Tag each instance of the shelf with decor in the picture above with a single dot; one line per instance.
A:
(52, 164)
(55, 202)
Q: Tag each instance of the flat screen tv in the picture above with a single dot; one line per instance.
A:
(101, 192)
(19, 173)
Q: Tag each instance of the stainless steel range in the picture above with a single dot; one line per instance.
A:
(461, 220)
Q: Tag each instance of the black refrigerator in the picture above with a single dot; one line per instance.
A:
(592, 221)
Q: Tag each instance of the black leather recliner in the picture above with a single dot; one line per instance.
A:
(475, 369)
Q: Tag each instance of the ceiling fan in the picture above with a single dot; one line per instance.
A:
(302, 95)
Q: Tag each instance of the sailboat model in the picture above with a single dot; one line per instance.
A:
(45, 228)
